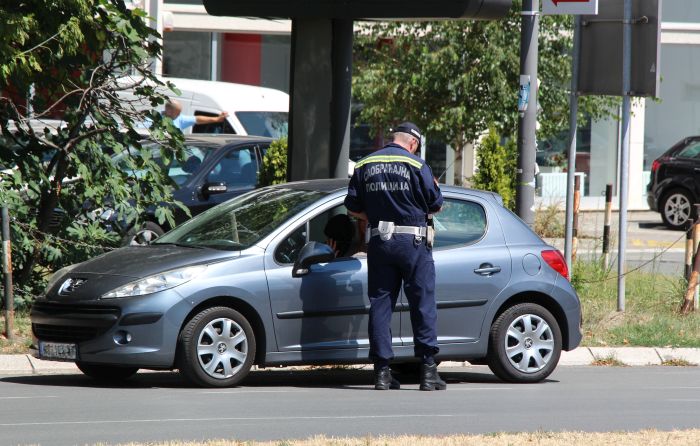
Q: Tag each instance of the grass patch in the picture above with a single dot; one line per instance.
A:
(539, 438)
(677, 362)
(22, 341)
(609, 361)
(651, 317)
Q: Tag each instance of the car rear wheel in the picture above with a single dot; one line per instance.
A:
(107, 372)
(217, 348)
(677, 209)
(143, 235)
(524, 344)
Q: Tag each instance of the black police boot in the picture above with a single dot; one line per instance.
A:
(429, 378)
(383, 379)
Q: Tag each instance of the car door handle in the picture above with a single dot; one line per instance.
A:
(486, 269)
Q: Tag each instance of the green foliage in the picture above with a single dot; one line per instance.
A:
(455, 79)
(496, 167)
(274, 164)
(74, 54)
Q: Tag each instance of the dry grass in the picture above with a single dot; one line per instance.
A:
(609, 361)
(678, 362)
(22, 335)
(646, 437)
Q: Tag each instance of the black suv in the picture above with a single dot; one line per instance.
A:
(675, 183)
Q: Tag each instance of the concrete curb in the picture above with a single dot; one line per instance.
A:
(27, 364)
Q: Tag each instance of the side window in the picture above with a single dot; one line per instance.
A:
(217, 127)
(459, 222)
(333, 226)
(692, 150)
(288, 250)
(238, 168)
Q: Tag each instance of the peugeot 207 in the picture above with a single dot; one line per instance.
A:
(252, 281)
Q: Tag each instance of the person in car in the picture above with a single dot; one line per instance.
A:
(173, 110)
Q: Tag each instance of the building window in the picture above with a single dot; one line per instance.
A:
(187, 54)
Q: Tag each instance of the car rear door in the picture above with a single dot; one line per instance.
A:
(472, 266)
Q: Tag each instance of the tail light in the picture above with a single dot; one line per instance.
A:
(655, 166)
(556, 261)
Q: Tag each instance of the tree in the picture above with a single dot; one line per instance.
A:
(274, 164)
(456, 79)
(496, 164)
(74, 54)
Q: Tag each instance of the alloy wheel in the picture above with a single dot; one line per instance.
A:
(677, 209)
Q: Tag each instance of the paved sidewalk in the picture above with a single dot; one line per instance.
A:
(631, 356)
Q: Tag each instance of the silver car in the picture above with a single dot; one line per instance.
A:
(251, 281)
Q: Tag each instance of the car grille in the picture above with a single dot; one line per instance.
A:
(71, 323)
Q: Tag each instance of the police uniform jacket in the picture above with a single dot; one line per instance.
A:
(393, 185)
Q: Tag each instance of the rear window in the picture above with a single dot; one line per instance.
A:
(692, 150)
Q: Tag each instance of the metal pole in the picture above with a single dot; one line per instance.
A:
(573, 124)
(527, 143)
(606, 225)
(7, 273)
(577, 203)
(689, 249)
(625, 150)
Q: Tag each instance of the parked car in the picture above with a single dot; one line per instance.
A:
(251, 282)
(674, 187)
(217, 168)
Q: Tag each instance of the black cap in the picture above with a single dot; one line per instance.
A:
(411, 129)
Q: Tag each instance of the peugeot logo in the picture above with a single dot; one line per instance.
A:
(70, 285)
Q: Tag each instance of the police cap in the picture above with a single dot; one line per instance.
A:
(411, 129)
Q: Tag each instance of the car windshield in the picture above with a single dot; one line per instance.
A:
(177, 171)
(264, 123)
(243, 221)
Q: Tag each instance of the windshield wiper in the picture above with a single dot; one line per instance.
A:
(182, 245)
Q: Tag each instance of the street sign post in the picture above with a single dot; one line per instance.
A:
(576, 7)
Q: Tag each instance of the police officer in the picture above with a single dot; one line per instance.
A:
(395, 191)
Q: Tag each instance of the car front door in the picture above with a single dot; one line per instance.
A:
(472, 266)
(326, 308)
(233, 173)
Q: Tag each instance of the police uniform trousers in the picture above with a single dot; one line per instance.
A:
(391, 262)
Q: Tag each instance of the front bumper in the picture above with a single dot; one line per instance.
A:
(99, 328)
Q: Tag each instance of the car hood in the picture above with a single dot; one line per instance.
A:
(119, 267)
(142, 261)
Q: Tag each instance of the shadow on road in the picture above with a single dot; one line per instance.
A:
(334, 378)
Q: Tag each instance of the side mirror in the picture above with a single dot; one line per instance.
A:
(311, 253)
(213, 189)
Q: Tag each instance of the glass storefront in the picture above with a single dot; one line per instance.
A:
(187, 54)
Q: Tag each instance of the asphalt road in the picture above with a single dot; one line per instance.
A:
(279, 404)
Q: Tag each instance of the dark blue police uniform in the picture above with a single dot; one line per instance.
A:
(396, 186)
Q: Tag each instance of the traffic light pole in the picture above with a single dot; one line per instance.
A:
(527, 107)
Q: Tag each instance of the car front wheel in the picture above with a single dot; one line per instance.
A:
(143, 235)
(217, 348)
(524, 344)
(677, 209)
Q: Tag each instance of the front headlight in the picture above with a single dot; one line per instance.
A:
(55, 277)
(157, 282)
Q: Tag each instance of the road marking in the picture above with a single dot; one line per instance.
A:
(25, 397)
(180, 420)
(235, 392)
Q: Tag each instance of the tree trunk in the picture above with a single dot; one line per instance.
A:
(688, 304)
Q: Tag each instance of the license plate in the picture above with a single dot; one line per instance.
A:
(59, 351)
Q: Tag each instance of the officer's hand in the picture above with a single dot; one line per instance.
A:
(330, 242)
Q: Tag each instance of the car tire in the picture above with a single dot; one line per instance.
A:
(107, 372)
(524, 344)
(142, 235)
(216, 348)
(677, 208)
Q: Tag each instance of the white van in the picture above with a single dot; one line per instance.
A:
(252, 110)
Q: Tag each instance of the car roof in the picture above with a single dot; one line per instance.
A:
(224, 139)
(235, 97)
(341, 184)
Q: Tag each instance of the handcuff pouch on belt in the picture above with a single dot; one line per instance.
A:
(386, 230)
